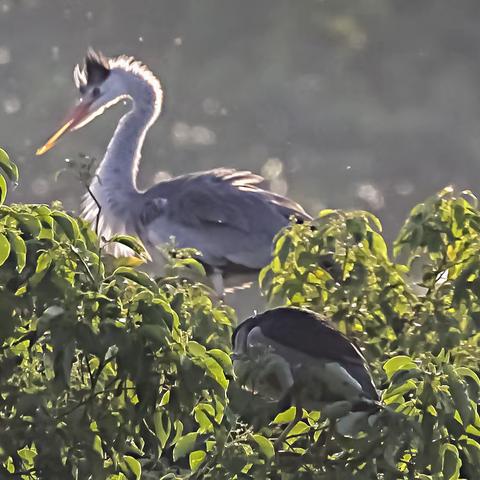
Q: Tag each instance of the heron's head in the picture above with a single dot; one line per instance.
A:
(101, 83)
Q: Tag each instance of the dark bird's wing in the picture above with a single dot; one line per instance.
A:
(306, 332)
(222, 212)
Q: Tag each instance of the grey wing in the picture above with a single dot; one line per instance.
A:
(222, 212)
(306, 330)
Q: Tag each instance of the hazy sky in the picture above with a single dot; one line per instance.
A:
(362, 103)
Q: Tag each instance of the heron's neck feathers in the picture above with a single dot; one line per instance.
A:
(115, 182)
(136, 70)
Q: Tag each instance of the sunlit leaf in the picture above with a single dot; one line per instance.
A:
(163, 426)
(451, 462)
(265, 445)
(400, 362)
(286, 416)
(8, 166)
(4, 248)
(3, 189)
(196, 458)
(136, 276)
(67, 224)
(19, 249)
(184, 445)
(134, 466)
(130, 242)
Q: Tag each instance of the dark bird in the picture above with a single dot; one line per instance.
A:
(295, 357)
(223, 213)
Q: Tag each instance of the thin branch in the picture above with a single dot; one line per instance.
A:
(82, 261)
(99, 207)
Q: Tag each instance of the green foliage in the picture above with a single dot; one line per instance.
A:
(101, 368)
(418, 322)
(108, 373)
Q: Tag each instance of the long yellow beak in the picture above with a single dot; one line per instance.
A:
(53, 139)
(77, 115)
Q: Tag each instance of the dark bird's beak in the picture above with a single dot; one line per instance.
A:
(80, 111)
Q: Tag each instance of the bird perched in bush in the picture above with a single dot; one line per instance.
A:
(294, 357)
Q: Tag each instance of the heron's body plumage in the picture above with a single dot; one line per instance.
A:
(223, 213)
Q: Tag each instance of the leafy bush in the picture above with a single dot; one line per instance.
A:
(107, 373)
(99, 367)
(418, 321)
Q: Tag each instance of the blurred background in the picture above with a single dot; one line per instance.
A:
(343, 104)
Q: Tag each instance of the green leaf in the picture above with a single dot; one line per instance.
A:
(403, 388)
(97, 445)
(473, 447)
(265, 445)
(184, 445)
(205, 424)
(215, 371)
(28, 223)
(196, 349)
(165, 398)
(4, 249)
(265, 276)
(43, 262)
(8, 166)
(299, 428)
(67, 224)
(137, 277)
(27, 454)
(460, 399)
(374, 220)
(285, 417)
(451, 462)
(134, 466)
(196, 458)
(3, 189)
(400, 362)
(19, 249)
(131, 242)
(193, 264)
(204, 414)
(178, 428)
(223, 359)
(163, 426)
(378, 245)
(467, 372)
(158, 334)
(282, 248)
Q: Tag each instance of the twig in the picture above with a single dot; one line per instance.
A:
(82, 261)
(99, 207)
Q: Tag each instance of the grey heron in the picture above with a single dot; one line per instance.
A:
(295, 357)
(223, 213)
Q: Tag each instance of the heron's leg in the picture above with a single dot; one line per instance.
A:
(217, 281)
(288, 428)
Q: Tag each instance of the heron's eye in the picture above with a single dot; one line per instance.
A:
(95, 92)
(82, 89)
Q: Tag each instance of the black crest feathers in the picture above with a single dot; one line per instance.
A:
(95, 70)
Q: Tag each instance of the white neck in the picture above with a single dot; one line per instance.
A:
(117, 173)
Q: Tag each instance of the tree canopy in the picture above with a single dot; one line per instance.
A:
(109, 373)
